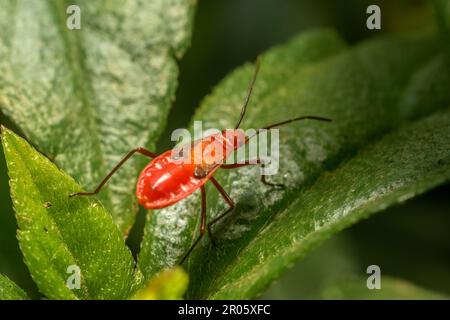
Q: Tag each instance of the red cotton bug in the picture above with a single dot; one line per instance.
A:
(165, 181)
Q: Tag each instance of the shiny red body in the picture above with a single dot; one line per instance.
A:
(177, 173)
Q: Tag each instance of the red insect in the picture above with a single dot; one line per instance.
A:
(167, 180)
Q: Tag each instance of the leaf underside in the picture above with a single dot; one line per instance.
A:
(86, 97)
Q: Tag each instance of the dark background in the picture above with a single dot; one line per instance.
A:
(410, 241)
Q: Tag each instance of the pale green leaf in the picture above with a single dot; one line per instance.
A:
(169, 284)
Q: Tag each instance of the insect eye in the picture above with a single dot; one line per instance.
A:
(200, 172)
(177, 154)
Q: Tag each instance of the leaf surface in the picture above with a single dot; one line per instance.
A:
(368, 91)
(61, 238)
(86, 97)
(166, 233)
(10, 291)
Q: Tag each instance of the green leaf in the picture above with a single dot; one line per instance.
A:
(170, 284)
(10, 291)
(86, 97)
(391, 289)
(396, 168)
(11, 259)
(348, 253)
(167, 231)
(332, 261)
(56, 232)
(368, 91)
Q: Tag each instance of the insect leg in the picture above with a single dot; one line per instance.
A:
(140, 150)
(222, 215)
(202, 225)
(247, 163)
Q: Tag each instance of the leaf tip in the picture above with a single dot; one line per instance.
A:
(169, 284)
(5, 131)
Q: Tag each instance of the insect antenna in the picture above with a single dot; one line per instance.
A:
(249, 92)
(278, 124)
